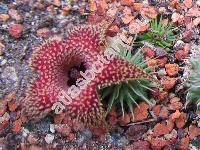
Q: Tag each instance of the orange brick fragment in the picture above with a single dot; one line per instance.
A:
(193, 131)
(149, 12)
(92, 5)
(126, 2)
(152, 62)
(180, 122)
(17, 126)
(70, 137)
(175, 104)
(168, 83)
(137, 6)
(175, 115)
(184, 143)
(162, 61)
(160, 129)
(158, 143)
(141, 112)
(103, 5)
(12, 106)
(127, 19)
(4, 17)
(124, 120)
(3, 125)
(162, 96)
(148, 52)
(156, 110)
(172, 69)
(113, 30)
(187, 3)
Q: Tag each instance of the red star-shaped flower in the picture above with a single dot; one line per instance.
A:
(55, 59)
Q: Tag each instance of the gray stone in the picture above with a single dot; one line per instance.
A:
(3, 8)
(160, 52)
(178, 43)
(87, 133)
(9, 73)
(123, 142)
(162, 72)
(2, 61)
(52, 128)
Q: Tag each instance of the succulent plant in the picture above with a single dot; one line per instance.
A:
(128, 93)
(193, 95)
(160, 34)
(54, 60)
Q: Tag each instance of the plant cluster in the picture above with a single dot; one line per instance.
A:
(193, 95)
(128, 93)
(160, 34)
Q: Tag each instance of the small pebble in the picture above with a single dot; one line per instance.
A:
(181, 54)
(196, 21)
(168, 83)
(123, 141)
(3, 107)
(178, 43)
(52, 128)
(171, 58)
(15, 30)
(160, 52)
(17, 125)
(162, 9)
(4, 17)
(187, 36)
(198, 2)
(5, 117)
(32, 139)
(14, 14)
(175, 17)
(3, 62)
(63, 129)
(43, 32)
(13, 116)
(161, 72)
(188, 3)
(3, 8)
(87, 133)
(49, 138)
(70, 137)
(25, 132)
(1, 48)
(10, 73)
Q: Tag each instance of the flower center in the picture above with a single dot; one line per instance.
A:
(74, 73)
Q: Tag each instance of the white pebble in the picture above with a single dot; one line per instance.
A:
(25, 132)
(49, 138)
(52, 128)
(198, 3)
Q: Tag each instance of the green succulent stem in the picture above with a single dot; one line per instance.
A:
(159, 34)
(193, 82)
(128, 93)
